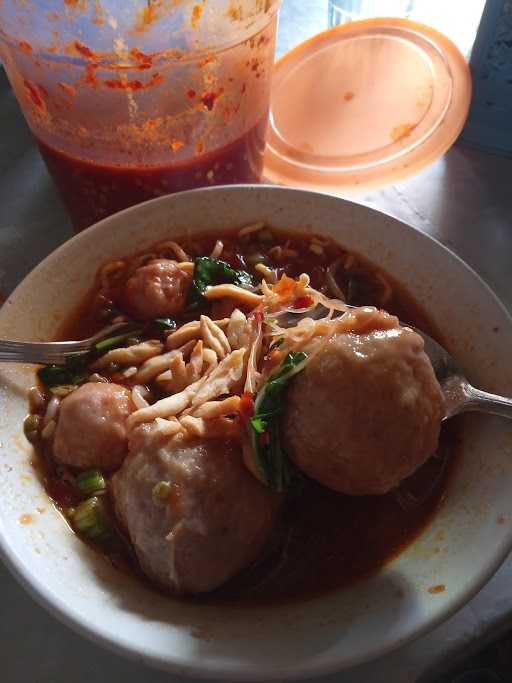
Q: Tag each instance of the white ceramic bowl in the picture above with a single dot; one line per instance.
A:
(461, 549)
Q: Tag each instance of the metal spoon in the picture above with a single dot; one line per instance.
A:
(459, 395)
(57, 352)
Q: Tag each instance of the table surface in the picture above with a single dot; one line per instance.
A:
(463, 200)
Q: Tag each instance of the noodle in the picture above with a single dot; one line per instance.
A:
(217, 249)
(214, 337)
(269, 274)
(331, 280)
(244, 296)
(158, 364)
(131, 355)
(179, 252)
(107, 270)
(139, 394)
(188, 332)
(250, 229)
(210, 409)
(253, 375)
(51, 410)
(49, 429)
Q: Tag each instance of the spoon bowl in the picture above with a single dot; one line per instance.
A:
(459, 395)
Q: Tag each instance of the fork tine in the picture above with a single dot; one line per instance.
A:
(57, 352)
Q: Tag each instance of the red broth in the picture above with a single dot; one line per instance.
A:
(325, 540)
(92, 191)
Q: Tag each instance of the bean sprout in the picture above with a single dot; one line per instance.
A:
(331, 280)
(217, 249)
(51, 410)
(249, 229)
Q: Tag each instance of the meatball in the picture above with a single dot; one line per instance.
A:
(215, 521)
(366, 411)
(157, 289)
(91, 429)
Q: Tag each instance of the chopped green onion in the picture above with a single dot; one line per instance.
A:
(31, 427)
(161, 492)
(110, 343)
(90, 519)
(90, 482)
(165, 323)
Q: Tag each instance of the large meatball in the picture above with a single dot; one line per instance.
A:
(157, 289)
(214, 522)
(366, 411)
(91, 429)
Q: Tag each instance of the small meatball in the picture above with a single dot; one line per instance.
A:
(157, 289)
(216, 519)
(91, 429)
(366, 411)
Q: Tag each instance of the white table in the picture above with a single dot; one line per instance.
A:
(464, 200)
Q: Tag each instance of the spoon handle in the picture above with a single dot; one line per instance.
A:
(484, 402)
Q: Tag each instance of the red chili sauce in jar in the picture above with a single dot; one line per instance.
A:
(92, 191)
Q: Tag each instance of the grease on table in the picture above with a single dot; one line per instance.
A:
(26, 519)
(435, 590)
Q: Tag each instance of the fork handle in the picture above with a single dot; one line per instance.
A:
(484, 402)
(38, 352)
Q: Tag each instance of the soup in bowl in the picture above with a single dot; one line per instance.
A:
(254, 479)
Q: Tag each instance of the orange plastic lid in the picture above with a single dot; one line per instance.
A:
(365, 104)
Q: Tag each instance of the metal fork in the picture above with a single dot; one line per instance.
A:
(48, 353)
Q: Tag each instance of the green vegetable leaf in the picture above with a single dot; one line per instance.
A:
(275, 467)
(73, 371)
(209, 271)
(259, 425)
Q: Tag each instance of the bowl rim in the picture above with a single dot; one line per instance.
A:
(193, 668)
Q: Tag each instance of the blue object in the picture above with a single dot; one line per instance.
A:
(489, 124)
